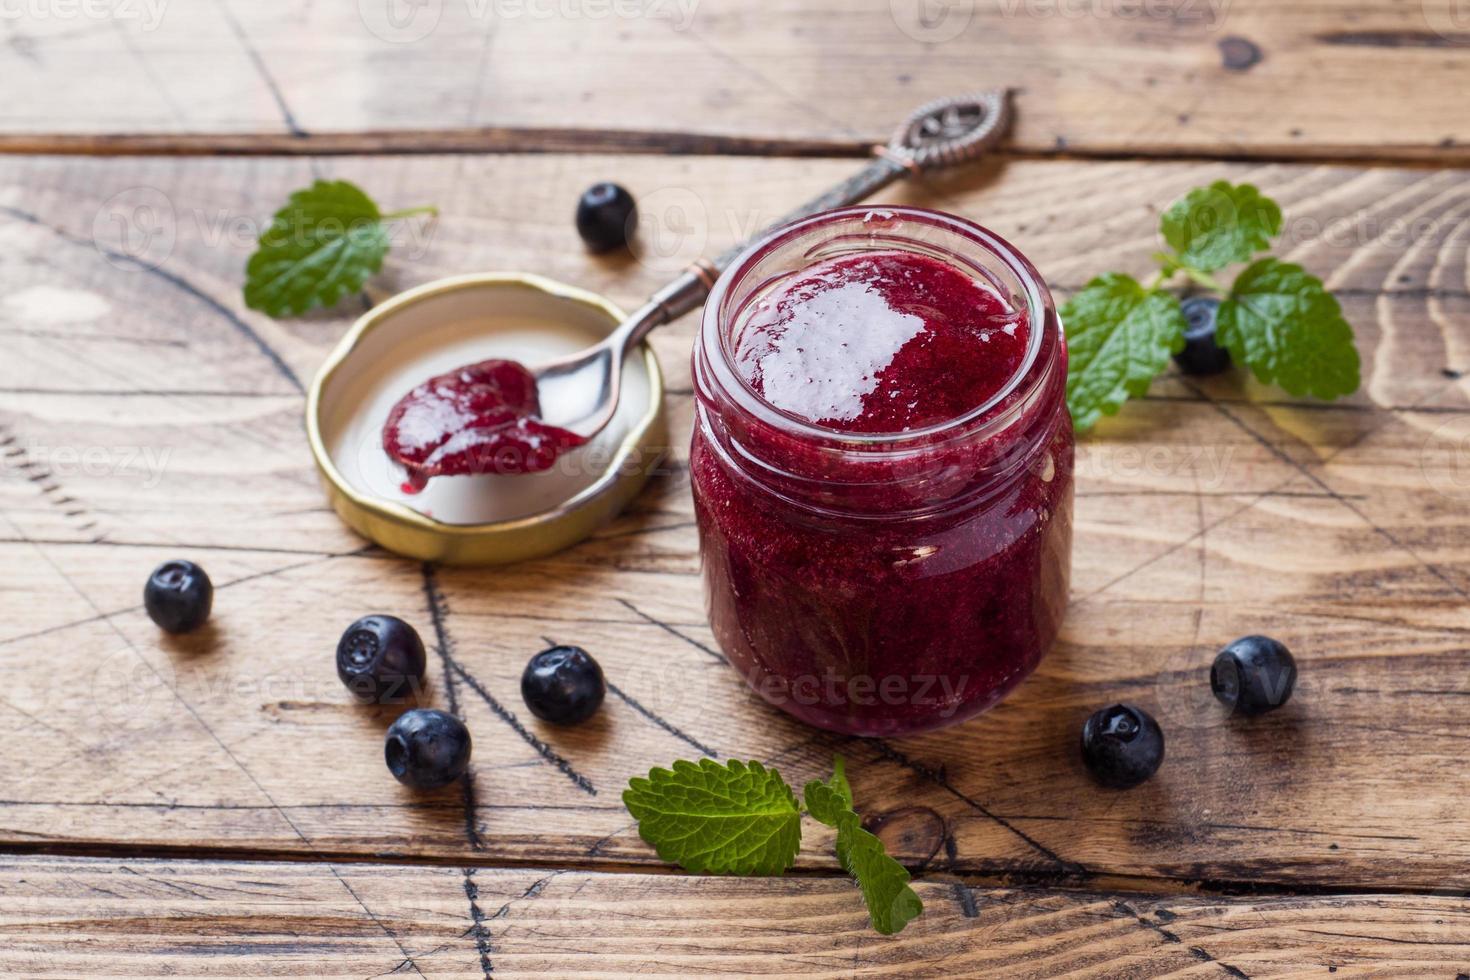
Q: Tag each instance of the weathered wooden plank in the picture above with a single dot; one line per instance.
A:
(1365, 78)
(123, 918)
(1204, 512)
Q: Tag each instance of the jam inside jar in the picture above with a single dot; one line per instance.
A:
(882, 468)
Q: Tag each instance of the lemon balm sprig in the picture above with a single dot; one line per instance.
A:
(742, 818)
(325, 243)
(1275, 318)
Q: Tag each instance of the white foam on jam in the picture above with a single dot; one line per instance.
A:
(426, 422)
(824, 360)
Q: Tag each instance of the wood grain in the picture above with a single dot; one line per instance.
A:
(1331, 79)
(124, 918)
(1204, 512)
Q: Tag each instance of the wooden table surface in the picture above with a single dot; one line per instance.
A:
(214, 805)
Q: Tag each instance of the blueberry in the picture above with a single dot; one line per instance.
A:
(1253, 675)
(427, 748)
(606, 217)
(1201, 354)
(563, 685)
(1122, 746)
(178, 596)
(380, 659)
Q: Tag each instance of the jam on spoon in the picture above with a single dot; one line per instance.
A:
(480, 418)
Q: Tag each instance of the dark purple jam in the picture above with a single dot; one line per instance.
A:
(881, 342)
(481, 418)
(888, 586)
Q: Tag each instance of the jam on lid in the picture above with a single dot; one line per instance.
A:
(480, 418)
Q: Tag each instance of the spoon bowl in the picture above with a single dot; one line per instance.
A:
(580, 392)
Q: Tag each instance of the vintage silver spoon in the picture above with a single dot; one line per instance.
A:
(580, 392)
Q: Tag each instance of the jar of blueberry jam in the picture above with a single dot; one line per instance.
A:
(882, 468)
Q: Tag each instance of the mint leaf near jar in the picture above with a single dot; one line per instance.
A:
(1119, 337)
(1282, 323)
(739, 818)
(891, 903)
(742, 818)
(1276, 319)
(325, 243)
(1212, 227)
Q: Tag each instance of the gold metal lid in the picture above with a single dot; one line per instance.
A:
(481, 520)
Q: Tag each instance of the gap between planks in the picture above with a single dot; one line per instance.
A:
(517, 140)
(1100, 884)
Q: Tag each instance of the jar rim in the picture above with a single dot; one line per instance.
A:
(1040, 313)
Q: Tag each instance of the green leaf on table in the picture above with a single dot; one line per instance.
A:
(1119, 337)
(1211, 227)
(1282, 323)
(326, 242)
(891, 902)
(739, 818)
(827, 801)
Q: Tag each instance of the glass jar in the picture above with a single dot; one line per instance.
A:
(891, 582)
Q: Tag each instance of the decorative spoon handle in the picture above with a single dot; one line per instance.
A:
(936, 136)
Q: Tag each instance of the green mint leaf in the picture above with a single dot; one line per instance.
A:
(739, 818)
(1211, 227)
(824, 803)
(323, 244)
(1119, 337)
(891, 903)
(1283, 324)
(832, 797)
